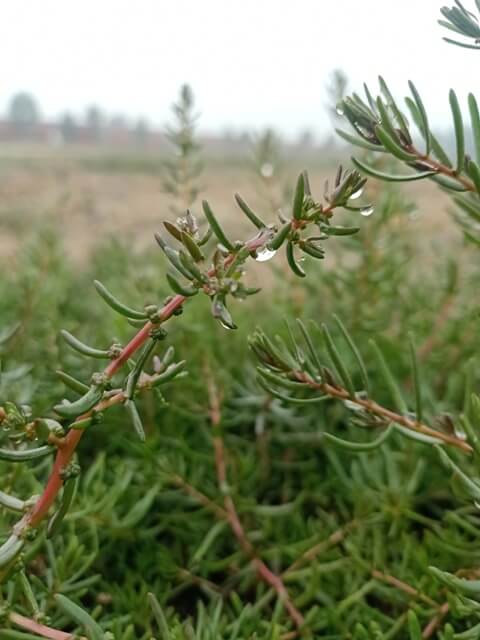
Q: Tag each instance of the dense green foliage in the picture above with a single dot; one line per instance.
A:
(260, 505)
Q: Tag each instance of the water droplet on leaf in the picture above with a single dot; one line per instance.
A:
(225, 325)
(460, 433)
(367, 211)
(340, 111)
(262, 255)
(353, 406)
(356, 194)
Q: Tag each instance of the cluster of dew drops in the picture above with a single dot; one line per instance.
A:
(265, 254)
(364, 211)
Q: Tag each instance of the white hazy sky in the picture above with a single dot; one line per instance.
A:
(251, 63)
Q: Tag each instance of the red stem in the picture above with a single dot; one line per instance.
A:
(233, 519)
(436, 621)
(55, 482)
(64, 455)
(373, 407)
(135, 343)
(40, 629)
(70, 442)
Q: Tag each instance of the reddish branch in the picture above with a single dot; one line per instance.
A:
(338, 536)
(41, 629)
(64, 454)
(404, 586)
(335, 538)
(387, 414)
(442, 168)
(70, 442)
(435, 622)
(270, 578)
(230, 514)
(200, 497)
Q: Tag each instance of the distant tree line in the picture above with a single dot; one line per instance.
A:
(24, 122)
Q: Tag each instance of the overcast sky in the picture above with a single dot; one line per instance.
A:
(251, 63)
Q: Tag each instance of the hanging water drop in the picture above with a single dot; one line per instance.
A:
(367, 211)
(352, 406)
(356, 194)
(262, 255)
(229, 327)
(460, 433)
(340, 111)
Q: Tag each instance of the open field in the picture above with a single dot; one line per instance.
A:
(92, 193)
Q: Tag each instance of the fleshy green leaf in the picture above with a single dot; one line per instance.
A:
(297, 210)
(358, 142)
(80, 616)
(389, 379)
(356, 353)
(80, 347)
(471, 488)
(388, 177)
(425, 128)
(251, 215)
(475, 121)
(338, 363)
(359, 446)
(416, 380)
(216, 227)
(469, 588)
(116, 305)
(459, 132)
(292, 263)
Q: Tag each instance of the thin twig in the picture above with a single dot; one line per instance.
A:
(41, 629)
(334, 538)
(64, 454)
(233, 519)
(435, 622)
(442, 168)
(373, 407)
(405, 587)
(199, 496)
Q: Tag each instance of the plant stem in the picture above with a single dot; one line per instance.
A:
(233, 519)
(41, 629)
(405, 587)
(373, 407)
(436, 621)
(443, 169)
(63, 457)
(70, 442)
(200, 497)
(335, 538)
